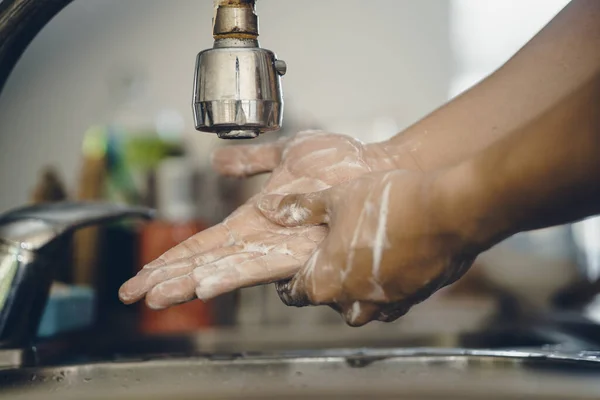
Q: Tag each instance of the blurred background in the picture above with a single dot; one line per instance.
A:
(99, 107)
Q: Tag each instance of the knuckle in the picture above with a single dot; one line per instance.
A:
(289, 296)
(188, 247)
(286, 298)
(393, 313)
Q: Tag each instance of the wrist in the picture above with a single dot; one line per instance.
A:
(468, 207)
(393, 155)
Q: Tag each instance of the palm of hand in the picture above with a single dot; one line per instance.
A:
(246, 249)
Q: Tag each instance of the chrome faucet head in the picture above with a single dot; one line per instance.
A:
(237, 84)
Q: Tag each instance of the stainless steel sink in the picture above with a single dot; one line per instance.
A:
(506, 362)
(415, 374)
(247, 341)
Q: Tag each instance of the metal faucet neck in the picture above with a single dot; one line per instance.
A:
(235, 20)
(234, 42)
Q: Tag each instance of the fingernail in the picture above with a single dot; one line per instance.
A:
(124, 296)
(269, 203)
(127, 293)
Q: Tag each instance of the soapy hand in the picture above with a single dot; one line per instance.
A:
(391, 244)
(247, 249)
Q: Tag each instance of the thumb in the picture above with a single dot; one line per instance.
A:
(296, 209)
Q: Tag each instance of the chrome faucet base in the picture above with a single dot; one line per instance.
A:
(33, 242)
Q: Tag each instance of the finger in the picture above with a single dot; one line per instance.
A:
(135, 288)
(295, 297)
(296, 209)
(230, 274)
(360, 313)
(247, 160)
(183, 288)
(295, 291)
(172, 292)
(216, 236)
(393, 312)
(232, 264)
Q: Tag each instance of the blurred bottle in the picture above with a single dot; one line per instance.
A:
(175, 182)
(138, 139)
(120, 156)
(49, 188)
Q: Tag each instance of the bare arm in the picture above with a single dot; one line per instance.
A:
(561, 58)
(396, 237)
(544, 174)
(518, 152)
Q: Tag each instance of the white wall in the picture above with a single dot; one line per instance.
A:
(351, 63)
(485, 34)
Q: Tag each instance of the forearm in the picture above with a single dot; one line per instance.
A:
(544, 174)
(543, 73)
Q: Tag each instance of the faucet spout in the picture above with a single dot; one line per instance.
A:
(20, 22)
(237, 84)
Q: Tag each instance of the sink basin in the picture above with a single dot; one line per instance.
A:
(77, 349)
(508, 362)
(415, 374)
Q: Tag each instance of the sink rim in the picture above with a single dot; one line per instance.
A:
(282, 368)
(355, 356)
